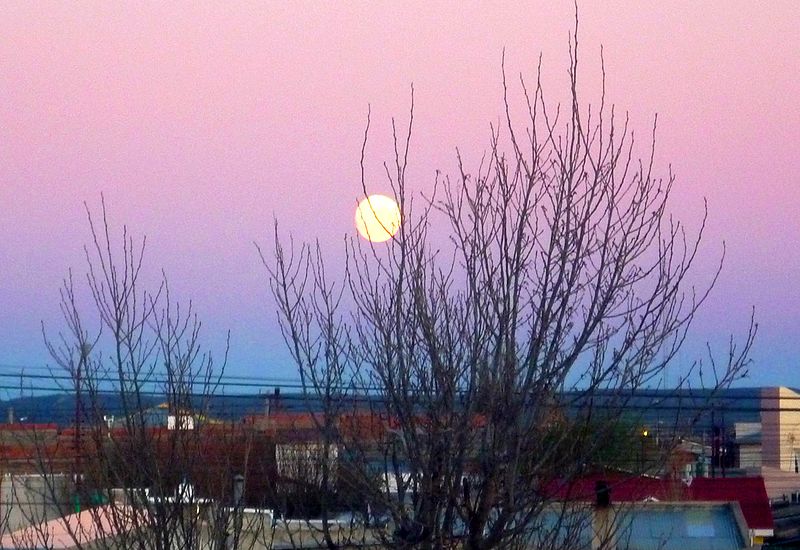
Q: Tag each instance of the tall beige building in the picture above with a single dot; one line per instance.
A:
(780, 429)
(771, 448)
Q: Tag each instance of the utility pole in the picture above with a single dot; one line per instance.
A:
(85, 349)
(645, 433)
(714, 445)
(723, 441)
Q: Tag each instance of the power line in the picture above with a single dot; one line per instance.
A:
(289, 382)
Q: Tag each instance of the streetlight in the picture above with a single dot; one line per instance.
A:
(645, 433)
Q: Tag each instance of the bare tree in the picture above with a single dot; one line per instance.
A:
(143, 465)
(498, 368)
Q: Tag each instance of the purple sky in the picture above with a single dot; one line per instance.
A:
(199, 124)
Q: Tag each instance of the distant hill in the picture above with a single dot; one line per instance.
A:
(59, 408)
(56, 408)
(648, 407)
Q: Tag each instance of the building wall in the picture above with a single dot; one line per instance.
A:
(29, 499)
(780, 419)
(750, 456)
(305, 460)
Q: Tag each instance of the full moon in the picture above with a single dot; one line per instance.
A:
(377, 218)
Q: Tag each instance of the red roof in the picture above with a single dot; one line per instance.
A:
(623, 488)
(20, 427)
(749, 492)
(286, 420)
(366, 425)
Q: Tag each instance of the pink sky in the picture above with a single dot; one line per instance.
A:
(200, 123)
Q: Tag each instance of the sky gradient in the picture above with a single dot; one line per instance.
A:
(201, 123)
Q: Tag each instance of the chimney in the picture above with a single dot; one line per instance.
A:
(11, 415)
(603, 525)
(603, 493)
